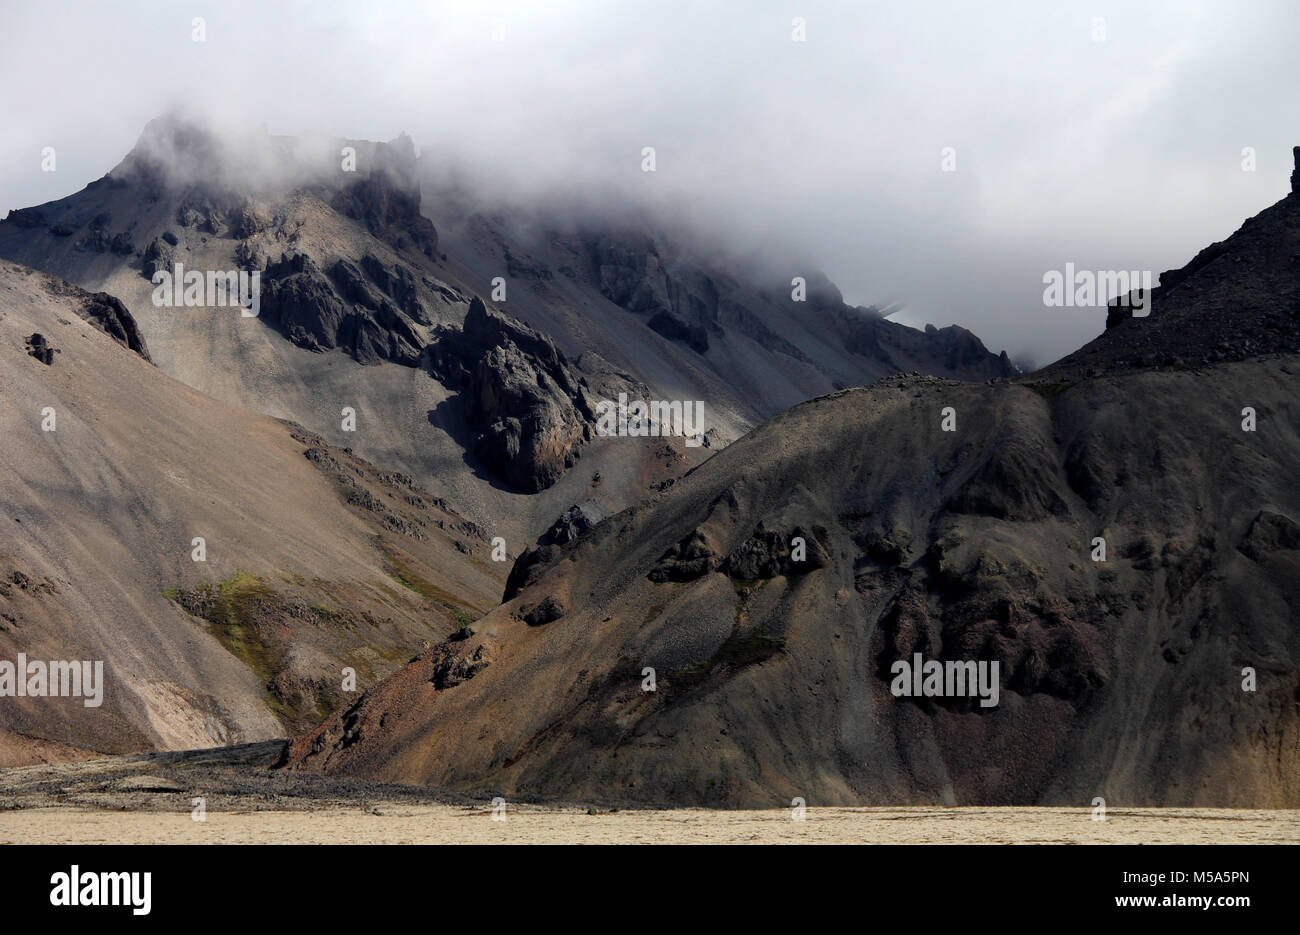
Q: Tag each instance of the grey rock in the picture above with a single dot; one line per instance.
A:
(530, 409)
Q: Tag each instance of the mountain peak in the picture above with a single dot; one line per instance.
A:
(1235, 299)
(176, 152)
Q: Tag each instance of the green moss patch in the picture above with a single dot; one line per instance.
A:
(413, 581)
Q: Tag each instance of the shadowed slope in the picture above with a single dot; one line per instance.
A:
(1121, 675)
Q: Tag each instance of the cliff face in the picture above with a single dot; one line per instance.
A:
(686, 302)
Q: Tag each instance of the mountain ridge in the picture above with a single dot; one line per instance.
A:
(349, 262)
(1124, 545)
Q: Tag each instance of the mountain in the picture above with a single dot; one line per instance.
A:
(367, 261)
(1119, 534)
(312, 558)
(679, 309)
(1235, 300)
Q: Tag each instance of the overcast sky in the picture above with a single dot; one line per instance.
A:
(1123, 153)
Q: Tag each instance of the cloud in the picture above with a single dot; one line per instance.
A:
(1122, 153)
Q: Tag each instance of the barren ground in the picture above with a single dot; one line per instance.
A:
(148, 800)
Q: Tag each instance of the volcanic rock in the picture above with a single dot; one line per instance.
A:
(39, 348)
(529, 407)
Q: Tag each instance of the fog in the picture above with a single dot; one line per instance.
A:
(1120, 150)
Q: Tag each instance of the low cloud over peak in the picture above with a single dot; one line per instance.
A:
(1122, 151)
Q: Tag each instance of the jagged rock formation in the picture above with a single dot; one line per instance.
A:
(1124, 547)
(528, 405)
(568, 528)
(387, 200)
(686, 303)
(575, 522)
(105, 312)
(345, 308)
(192, 197)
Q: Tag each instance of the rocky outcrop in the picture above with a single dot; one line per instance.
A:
(204, 212)
(551, 546)
(549, 609)
(529, 567)
(682, 307)
(158, 256)
(574, 523)
(40, 349)
(387, 200)
(451, 668)
(344, 308)
(765, 554)
(105, 312)
(529, 409)
(109, 315)
(100, 238)
(299, 299)
(768, 553)
(693, 556)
